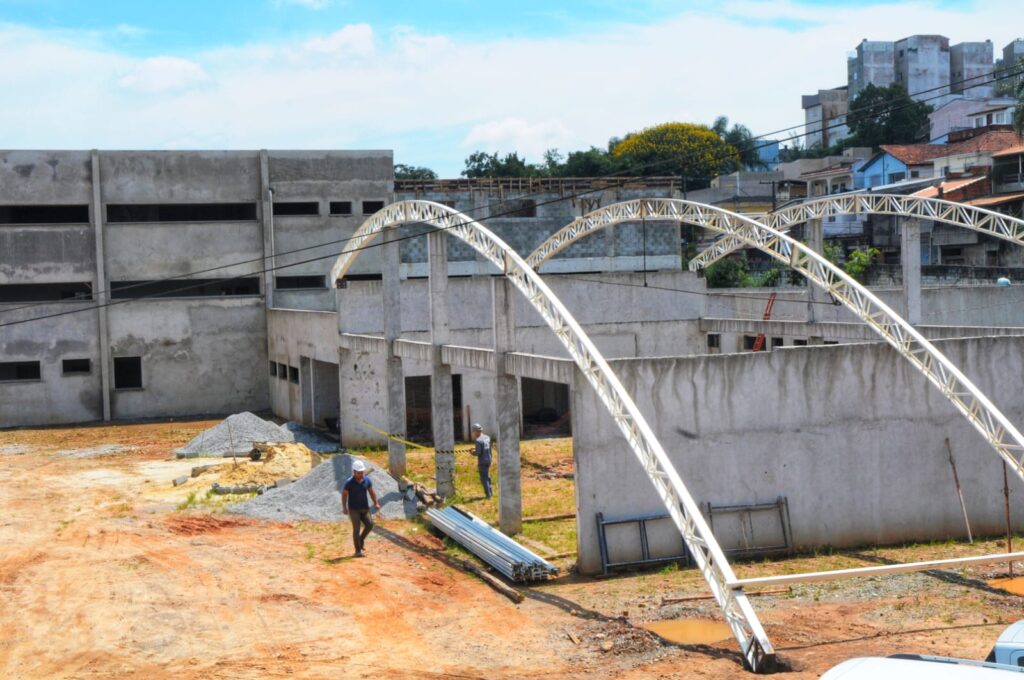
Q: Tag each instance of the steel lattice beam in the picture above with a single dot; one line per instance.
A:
(757, 650)
(940, 371)
(977, 219)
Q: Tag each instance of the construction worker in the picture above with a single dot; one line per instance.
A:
(482, 451)
(355, 502)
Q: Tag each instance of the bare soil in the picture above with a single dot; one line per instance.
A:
(102, 575)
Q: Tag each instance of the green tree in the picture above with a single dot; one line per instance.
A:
(740, 138)
(593, 162)
(403, 171)
(686, 149)
(886, 115)
(1018, 111)
(728, 273)
(858, 262)
(483, 164)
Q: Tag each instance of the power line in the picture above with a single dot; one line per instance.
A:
(263, 258)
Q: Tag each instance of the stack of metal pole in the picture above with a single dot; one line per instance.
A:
(495, 548)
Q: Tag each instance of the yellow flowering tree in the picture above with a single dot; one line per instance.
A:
(692, 151)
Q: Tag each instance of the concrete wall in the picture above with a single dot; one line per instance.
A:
(200, 355)
(184, 342)
(617, 249)
(850, 434)
(324, 177)
(56, 398)
(971, 60)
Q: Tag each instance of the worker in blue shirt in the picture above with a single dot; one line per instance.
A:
(355, 502)
(482, 451)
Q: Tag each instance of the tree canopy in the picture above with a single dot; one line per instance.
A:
(741, 139)
(886, 115)
(684, 149)
(403, 171)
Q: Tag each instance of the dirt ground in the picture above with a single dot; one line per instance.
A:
(108, 571)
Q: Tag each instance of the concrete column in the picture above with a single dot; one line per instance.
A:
(506, 408)
(266, 208)
(394, 377)
(815, 235)
(100, 284)
(442, 417)
(910, 258)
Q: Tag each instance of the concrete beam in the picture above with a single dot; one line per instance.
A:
(539, 367)
(413, 349)
(468, 357)
(506, 407)
(356, 342)
(100, 284)
(394, 376)
(266, 215)
(441, 407)
(910, 258)
(839, 330)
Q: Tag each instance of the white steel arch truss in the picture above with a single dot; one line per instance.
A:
(969, 217)
(757, 650)
(1000, 433)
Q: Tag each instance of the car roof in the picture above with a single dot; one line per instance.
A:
(1013, 633)
(877, 668)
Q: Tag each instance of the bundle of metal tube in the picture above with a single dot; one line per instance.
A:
(495, 548)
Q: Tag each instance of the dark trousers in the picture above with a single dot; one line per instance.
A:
(485, 479)
(360, 518)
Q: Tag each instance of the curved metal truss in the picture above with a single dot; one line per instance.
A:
(966, 216)
(966, 397)
(757, 650)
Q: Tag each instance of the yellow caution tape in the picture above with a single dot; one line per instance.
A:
(398, 439)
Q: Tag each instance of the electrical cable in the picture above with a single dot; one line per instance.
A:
(1003, 75)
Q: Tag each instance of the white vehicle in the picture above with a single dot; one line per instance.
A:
(1009, 649)
(1006, 657)
(914, 667)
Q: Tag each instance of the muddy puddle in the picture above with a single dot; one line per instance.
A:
(690, 631)
(1010, 585)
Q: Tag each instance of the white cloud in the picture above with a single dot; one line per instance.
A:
(355, 40)
(434, 97)
(516, 134)
(164, 74)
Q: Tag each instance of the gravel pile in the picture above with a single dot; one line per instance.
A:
(317, 496)
(313, 439)
(235, 434)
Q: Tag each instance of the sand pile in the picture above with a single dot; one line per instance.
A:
(317, 496)
(278, 461)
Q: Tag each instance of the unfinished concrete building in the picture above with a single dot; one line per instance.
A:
(84, 233)
(652, 370)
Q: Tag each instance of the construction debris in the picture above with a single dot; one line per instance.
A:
(508, 591)
(317, 496)
(495, 548)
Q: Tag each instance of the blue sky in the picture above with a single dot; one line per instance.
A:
(432, 80)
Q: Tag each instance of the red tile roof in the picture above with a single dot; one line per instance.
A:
(987, 142)
(915, 154)
(1014, 150)
(953, 186)
(998, 199)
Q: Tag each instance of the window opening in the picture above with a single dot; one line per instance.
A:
(127, 373)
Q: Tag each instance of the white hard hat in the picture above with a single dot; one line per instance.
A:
(477, 428)
(358, 466)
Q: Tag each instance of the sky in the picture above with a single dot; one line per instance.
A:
(437, 80)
